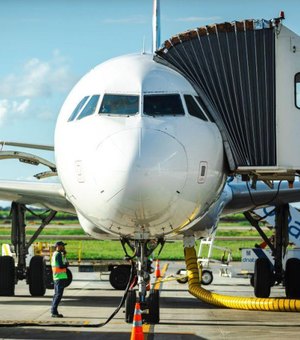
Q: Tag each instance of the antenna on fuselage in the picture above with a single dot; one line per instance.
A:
(156, 25)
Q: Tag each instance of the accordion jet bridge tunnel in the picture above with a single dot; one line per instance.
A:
(247, 77)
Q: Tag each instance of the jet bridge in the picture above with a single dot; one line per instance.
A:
(247, 75)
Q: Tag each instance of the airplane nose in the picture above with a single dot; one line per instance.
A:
(140, 173)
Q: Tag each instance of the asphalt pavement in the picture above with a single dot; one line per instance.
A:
(90, 300)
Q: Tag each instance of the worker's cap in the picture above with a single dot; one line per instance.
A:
(60, 243)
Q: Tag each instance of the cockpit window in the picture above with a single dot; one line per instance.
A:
(193, 107)
(163, 104)
(115, 104)
(204, 107)
(90, 107)
(78, 108)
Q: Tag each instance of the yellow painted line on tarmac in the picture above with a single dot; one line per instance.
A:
(162, 274)
(147, 328)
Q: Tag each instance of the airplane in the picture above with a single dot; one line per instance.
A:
(140, 158)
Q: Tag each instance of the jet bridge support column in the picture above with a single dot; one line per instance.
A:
(281, 240)
(266, 274)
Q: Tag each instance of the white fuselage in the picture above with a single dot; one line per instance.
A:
(127, 174)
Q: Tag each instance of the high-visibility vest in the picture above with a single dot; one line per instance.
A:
(58, 273)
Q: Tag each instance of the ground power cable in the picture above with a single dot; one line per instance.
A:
(233, 302)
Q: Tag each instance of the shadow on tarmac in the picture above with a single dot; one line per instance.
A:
(105, 301)
(33, 333)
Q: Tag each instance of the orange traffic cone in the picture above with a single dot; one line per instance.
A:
(157, 269)
(137, 326)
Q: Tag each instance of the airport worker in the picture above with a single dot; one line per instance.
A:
(59, 266)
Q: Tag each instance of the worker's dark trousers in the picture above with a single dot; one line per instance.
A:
(59, 286)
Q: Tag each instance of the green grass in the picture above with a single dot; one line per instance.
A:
(225, 223)
(90, 249)
(47, 231)
(93, 249)
(60, 218)
(241, 233)
(65, 218)
(104, 250)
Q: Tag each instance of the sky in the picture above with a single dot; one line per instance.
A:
(47, 46)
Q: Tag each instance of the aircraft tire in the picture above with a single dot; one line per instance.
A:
(119, 277)
(292, 278)
(252, 280)
(262, 278)
(70, 278)
(153, 303)
(207, 277)
(7, 276)
(37, 276)
(130, 305)
(49, 278)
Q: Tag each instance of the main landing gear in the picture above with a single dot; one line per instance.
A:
(36, 273)
(149, 299)
(266, 274)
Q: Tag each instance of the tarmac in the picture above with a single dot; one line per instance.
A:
(90, 299)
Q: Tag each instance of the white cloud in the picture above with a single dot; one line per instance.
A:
(23, 92)
(38, 78)
(13, 109)
(3, 109)
(21, 107)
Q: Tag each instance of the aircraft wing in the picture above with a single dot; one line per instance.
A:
(243, 198)
(27, 145)
(43, 194)
(48, 195)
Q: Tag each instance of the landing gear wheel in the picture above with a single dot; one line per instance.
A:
(262, 278)
(181, 272)
(37, 276)
(207, 277)
(7, 276)
(69, 279)
(292, 278)
(130, 305)
(119, 277)
(153, 304)
(49, 278)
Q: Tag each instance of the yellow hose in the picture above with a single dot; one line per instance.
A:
(235, 302)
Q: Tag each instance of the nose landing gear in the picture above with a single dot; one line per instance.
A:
(148, 299)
